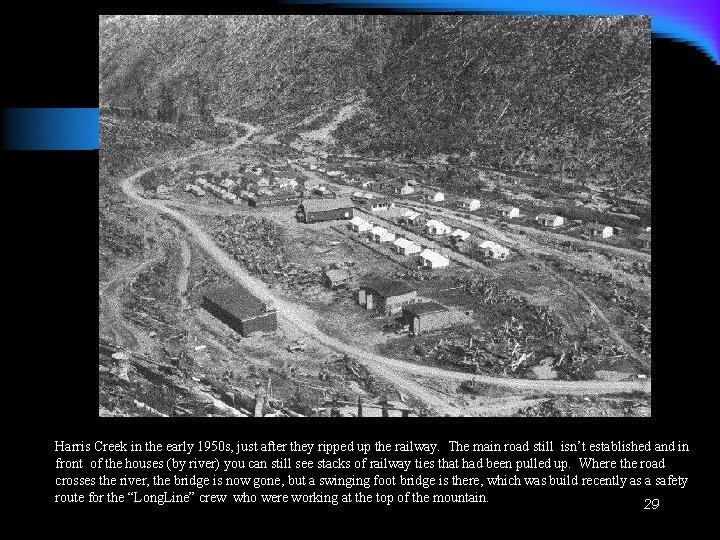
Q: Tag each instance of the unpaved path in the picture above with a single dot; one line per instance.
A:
(126, 335)
(184, 275)
(387, 368)
(323, 135)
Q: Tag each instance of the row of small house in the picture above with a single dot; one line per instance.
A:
(593, 229)
(402, 246)
(470, 205)
(256, 189)
(436, 227)
(373, 202)
(427, 258)
(506, 211)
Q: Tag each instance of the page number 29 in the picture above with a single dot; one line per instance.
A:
(651, 504)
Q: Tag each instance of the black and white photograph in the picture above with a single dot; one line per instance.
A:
(397, 215)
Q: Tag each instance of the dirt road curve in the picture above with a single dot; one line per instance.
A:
(184, 275)
(125, 334)
(393, 370)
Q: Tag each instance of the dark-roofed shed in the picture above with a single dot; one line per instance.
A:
(388, 296)
(240, 310)
(313, 210)
(425, 317)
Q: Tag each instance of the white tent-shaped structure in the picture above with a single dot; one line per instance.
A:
(495, 250)
(403, 246)
(437, 227)
(380, 234)
(460, 235)
(358, 224)
(431, 259)
(469, 204)
(411, 216)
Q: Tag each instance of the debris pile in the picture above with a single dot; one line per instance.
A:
(146, 302)
(639, 268)
(117, 239)
(576, 406)
(257, 244)
(206, 274)
(643, 334)
(416, 275)
(574, 365)
(589, 276)
(512, 347)
(489, 293)
(625, 302)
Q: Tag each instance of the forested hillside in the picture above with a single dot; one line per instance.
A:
(567, 96)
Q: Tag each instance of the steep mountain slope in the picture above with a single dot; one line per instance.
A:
(555, 95)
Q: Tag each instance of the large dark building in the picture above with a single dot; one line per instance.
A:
(313, 210)
(387, 296)
(425, 317)
(240, 310)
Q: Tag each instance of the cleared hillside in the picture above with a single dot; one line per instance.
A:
(567, 96)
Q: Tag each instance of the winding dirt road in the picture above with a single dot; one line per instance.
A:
(184, 275)
(124, 334)
(393, 370)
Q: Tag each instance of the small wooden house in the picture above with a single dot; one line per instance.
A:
(437, 227)
(508, 211)
(433, 260)
(596, 229)
(550, 220)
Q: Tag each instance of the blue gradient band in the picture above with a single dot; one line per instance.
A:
(51, 129)
(691, 21)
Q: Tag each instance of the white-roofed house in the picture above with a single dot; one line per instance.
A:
(403, 246)
(509, 211)
(468, 204)
(550, 220)
(434, 196)
(412, 217)
(437, 227)
(380, 234)
(458, 235)
(358, 224)
(196, 190)
(495, 250)
(369, 202)
(403, 189)
(432, 259)
(596, 229)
